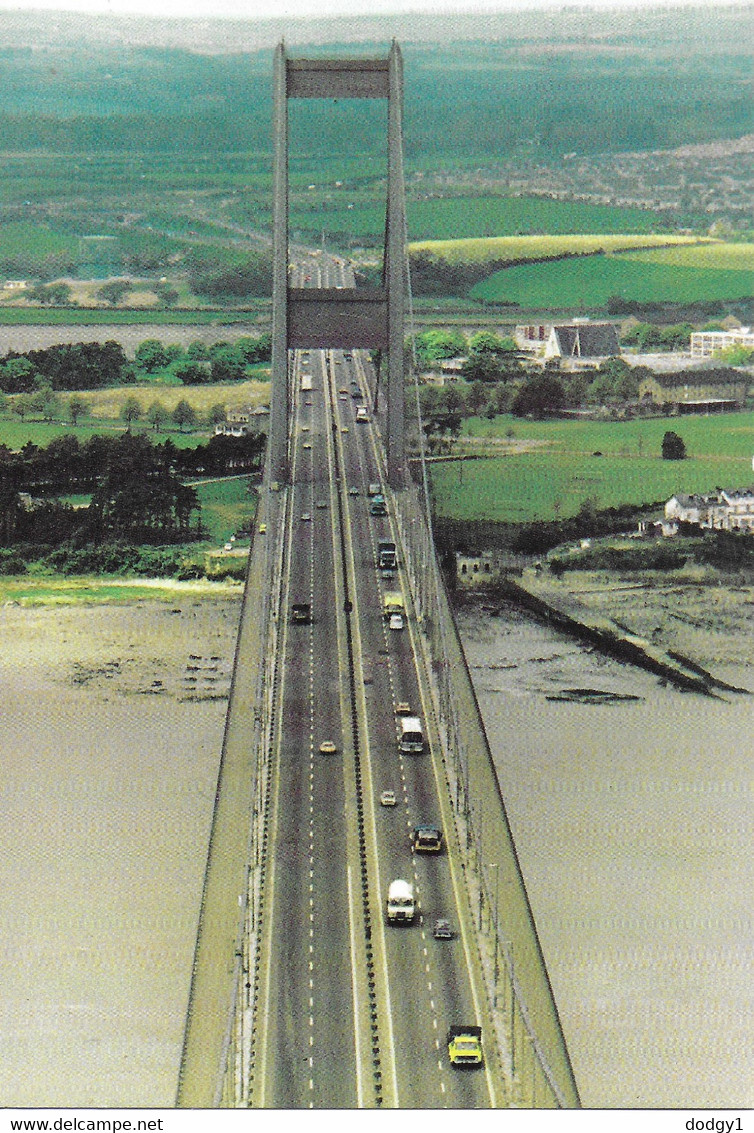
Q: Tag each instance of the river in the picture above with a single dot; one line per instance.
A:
(633, 823)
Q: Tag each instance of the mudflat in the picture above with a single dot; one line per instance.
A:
(111, 731)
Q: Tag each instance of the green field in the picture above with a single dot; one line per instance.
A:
(87, 316)
(557, 478)
(35, 239)
(15, 434)
(227, 504)
(684, 275)
(459, 217)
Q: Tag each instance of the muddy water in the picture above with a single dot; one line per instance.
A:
(111, 723)
(633, 820)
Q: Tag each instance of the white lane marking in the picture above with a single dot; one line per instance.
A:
(355, 992)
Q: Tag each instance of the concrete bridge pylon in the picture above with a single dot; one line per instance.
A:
(339, 318)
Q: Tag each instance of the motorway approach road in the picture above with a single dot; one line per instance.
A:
(353, 1012)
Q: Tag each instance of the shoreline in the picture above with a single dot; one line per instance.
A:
(32, 592)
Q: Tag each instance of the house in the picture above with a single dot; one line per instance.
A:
(724, 509)
(582, 343)
(452, 367)
(700, 391)
(471, 570)
(532, 336)
(15, 285)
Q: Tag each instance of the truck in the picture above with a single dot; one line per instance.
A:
(427, 839)
(301, 613)
(412, 735)
(401, 907)
(386, 554)
(465, 1045)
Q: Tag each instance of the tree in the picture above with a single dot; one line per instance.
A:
(487, 342)
(442, 415)
(490, 357)
(20, 405)
(190, 373)
(227, 363)
(477, 397)
(157, 415)
(197, 352)
(167, 295)
(184, 415)
(139, 498)
(483, 366)
(130, 411)
(673, 447)
(51, 294)
(736, 355)
(47, 402)
(217, 414)
(77, 407)
(114, 291)
(433, 345)
(17, 375)
(540, 395)
(616, 381)
(151, 355)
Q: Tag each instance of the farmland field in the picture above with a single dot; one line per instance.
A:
(463, 217)
(715, 256)
(535, 248)
(555, 480)
(592, 280)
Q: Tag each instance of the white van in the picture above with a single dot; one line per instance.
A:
(401, 907)
(412, 735)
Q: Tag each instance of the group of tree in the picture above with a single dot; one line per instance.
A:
(223, 281)
(96, 365)
(138, 489)
(68, 465)
(649, 338)
(487, 356)
(200, 363)
(114, 291)
(434, 275)
(183, 414)
(69, 366)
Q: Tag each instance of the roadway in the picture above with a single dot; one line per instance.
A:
(338, 986)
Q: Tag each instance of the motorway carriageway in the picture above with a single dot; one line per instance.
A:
(352, 1012)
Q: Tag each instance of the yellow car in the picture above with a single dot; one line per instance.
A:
(465, 1045)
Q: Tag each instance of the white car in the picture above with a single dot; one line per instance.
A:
(387, 798)
(396, 621)
(362, 416)
(305, 516)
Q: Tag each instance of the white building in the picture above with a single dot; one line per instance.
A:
(722, 510)
(705, 343)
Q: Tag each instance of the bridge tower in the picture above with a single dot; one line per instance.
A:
(339, 318)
